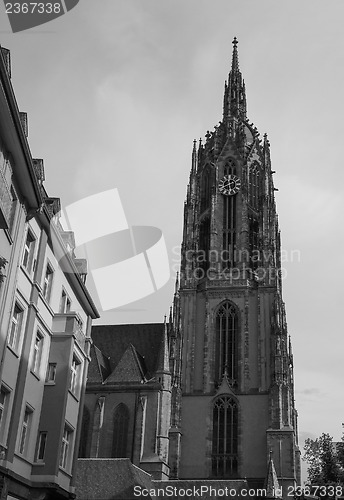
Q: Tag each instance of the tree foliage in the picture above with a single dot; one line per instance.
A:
(325, 459)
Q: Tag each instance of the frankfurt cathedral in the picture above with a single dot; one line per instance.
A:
(209, 393)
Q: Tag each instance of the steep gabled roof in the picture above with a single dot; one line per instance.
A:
(114, 340)
(99, 368)
(131, 368)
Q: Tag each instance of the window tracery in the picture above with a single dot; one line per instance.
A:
(229, 221)
(226, 361)
(225, 437)
(120, 431)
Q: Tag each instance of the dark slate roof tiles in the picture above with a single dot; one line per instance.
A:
(112, 341)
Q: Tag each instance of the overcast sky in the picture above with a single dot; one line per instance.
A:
(117, 90)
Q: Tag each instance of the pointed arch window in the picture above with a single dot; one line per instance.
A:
(229, 221)
(229, 168)
(205, 189)
(225, 438)
(253, 186)
(204, 243)
(85, 430)
(98, 418)
(255, 255)
(226, 358)
(120, 431)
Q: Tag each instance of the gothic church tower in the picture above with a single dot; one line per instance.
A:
(230, 356)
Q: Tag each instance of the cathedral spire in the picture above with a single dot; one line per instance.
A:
(235, 59)
(234, 104)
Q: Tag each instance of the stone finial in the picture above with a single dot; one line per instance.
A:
(235, 60)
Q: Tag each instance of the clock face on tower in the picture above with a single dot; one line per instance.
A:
(229, 185)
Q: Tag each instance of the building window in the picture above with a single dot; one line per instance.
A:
(205, 190)
(42, 441)
(28, 252)
(85, 434)
(120, 431)
(204, 245)
(229, 222)
(37, 353)
(254, 242)
(4, 402)
(226, 362)
(51, 373)
(15, 326)
(98, 419)
(25, 430)
(229, 168)
(5, 191)
(48, 281)
(74, 375)
(225, 438)
(65, 303)
(65, 447)
(12, 212)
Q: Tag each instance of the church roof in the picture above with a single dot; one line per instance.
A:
(131, 368)
(99, 368)
(111, 343)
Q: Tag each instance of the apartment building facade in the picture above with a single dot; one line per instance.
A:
(45, 321)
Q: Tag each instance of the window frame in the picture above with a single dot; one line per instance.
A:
(65, 302)
(66, 447)
(29, 251)
(51, 368)
(13, 210)
(75, 374)
(48, 281)
(254, 179)
(227, 327)
(37, 352)
(229, 221)
(41, 444)
(16, 325)
(25, 430)
(121, 418)
(4, 407)
(225, 421)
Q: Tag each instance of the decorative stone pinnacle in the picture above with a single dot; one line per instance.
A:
(235, 61)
